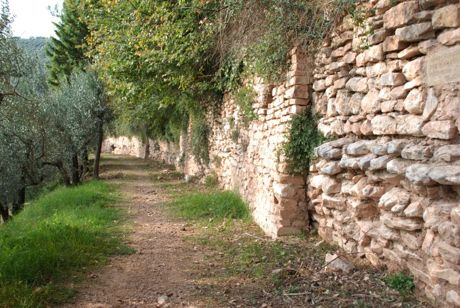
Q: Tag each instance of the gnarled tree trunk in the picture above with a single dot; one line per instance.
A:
(97, 159)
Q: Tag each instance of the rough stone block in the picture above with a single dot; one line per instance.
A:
(446, 17)
(383, 125)
(447, 175)
(440, 129)
(392, 79)
(415, 33)
(400, 14)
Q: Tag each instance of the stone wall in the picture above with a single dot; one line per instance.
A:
(388, 186)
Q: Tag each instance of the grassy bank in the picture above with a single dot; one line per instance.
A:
(59, 235)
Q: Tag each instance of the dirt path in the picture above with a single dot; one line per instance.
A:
(160, 265)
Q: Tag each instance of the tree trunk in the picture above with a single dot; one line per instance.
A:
(19, 201)
(4, 212)
(147, 149)
(75, 170)
(97, 159)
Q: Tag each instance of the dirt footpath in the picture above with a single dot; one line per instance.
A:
(159, 270)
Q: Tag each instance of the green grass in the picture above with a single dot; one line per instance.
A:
(215, 206)
(57, 236)
(401, 282)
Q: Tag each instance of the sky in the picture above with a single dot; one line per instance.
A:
(32, 17)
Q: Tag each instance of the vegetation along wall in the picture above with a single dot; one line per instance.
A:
(385, 182)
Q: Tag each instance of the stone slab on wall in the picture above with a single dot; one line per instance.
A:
(388, 186)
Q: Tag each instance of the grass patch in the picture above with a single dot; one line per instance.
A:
(215, 206)
(55, 237)
(400, 282)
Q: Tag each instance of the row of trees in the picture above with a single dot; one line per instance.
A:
(47, 129)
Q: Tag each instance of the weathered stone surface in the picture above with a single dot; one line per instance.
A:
(449, 37)
(357, 148)
(415, 33)
(398, 92)
(450, 233)
(414, 210)
(328, 152)
(395, 147)
(355, 103)
(371, 102)
(394, 197)
(336, 263)
(449, 253)
(447, 175)
(448, 153)
(398, 166)
(417, 152)
(362, 209)
(383, 125)
(347, 162)
(374, 54)
(380, 163)
(400, 14)
(400, 223)
(392, 79)
(410, 240)
(431, 104)
(440, 129)
(393, 43)
(413, 69)
(418, 174)
(409, 125)
(319, 85)
(327, 184)
(446, 17)
(357, 84)
(338, 203)
(437, 213)
(450, 275)
(455, 215)
(415, 101)
(453, 297)
(331, 168)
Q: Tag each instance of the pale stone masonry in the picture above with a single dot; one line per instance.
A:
(386, 186)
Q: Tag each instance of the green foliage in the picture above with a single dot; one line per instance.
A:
(211, 180)
(59, 234)
(244, 98)
(67, 49)
(200, 140)
(303, 138)
(401, 282)
(215, 206)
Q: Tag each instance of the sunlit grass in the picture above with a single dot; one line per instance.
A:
(54, 238)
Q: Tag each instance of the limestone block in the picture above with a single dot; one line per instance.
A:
(449, 37)
(342, 104)
(284, 190)
(418, 174)
(409, 53)
(383, 125)
(425, 46)
(398, 93)
(450, 233)
(331, 168)
(354, 104)
(417, 151)
(349, 57)
(414, 68)
(414, 210)
(374, 54)
(372, 191)
(400, 14)
(440, 129)
(332, 202)
(398, 166)
(415, 101)
(392, 79)
(371, 102)
(453, 298)
(357, 84)
(347, 162)
(366, 128)
(449, 253)
(379, 148)
(401, 223)
(437, 213)
(431, 104)
(446, 17)
(447, 175)
(413, 83)
(357, 148)
(393, 43)
(327, 151)
(447, 153)
(376, 69)
(409, 125)
(377, 37)
(297, 91)
(328, 184)
(364, 162)
(455, 215)
(319, 85)
(394, 197)
(362, 209)
(415, 33)
(380, 163)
